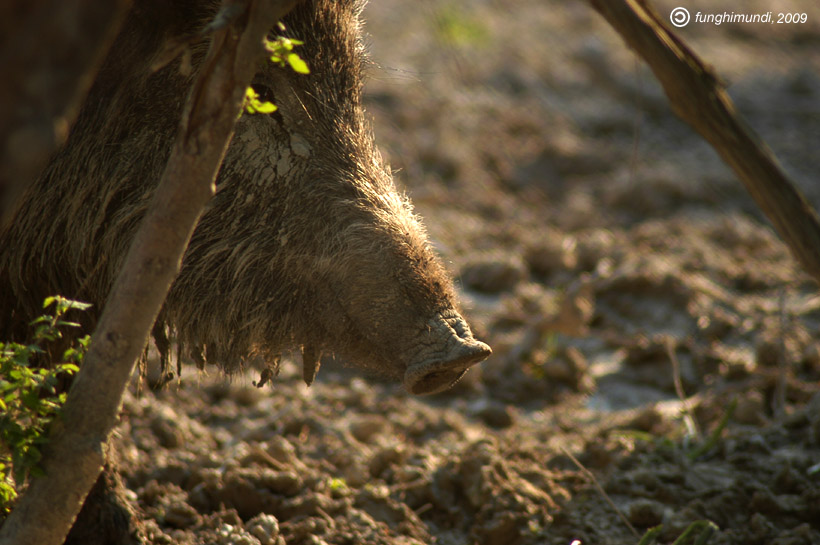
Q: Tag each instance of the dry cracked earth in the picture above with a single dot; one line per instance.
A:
(648, 325)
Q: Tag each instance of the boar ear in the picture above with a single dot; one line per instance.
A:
(310, 363)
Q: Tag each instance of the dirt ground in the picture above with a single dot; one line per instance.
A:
(608, 257)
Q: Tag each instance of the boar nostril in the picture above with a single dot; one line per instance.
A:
(433, 376)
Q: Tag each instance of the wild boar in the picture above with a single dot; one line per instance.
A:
(306, 245)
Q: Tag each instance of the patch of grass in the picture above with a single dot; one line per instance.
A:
(658, 441)
(689, 445)
(713, 438)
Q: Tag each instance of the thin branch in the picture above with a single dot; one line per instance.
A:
(588, 474)
(782, 382)
(699, 98)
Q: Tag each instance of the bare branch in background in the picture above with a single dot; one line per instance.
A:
(699, 98)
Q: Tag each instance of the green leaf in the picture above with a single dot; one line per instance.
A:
(298, 65)
(79, 305)
(7, 496)
(338, 484)
(31, 400)
(68, 324)
(650, 535)
(265, 107)
(47, 407)
(69, 368)
(702, 528)
(253, 105)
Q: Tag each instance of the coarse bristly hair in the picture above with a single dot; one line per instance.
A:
(307, 243)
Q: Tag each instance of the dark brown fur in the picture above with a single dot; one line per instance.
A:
(307, 241)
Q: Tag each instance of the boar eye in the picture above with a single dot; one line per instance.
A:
(265, 93)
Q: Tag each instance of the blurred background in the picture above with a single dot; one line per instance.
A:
(540, 149)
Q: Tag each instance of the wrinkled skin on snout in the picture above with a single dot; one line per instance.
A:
(443, 353)
(307, 244)
(427, 348)
(395, 313)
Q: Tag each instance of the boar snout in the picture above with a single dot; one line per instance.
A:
(442, 355)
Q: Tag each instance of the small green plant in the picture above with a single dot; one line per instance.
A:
(255, 105)
(697, 533)
(714, 437)
(29, 399)
(457, 26)
(692, 447)
(549, 351)
(338, 487)
(281, 52)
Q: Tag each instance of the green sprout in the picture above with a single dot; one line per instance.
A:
(281, 53)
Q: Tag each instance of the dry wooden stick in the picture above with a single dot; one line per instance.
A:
(688, 418)
(700, 100)
(588, 474)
